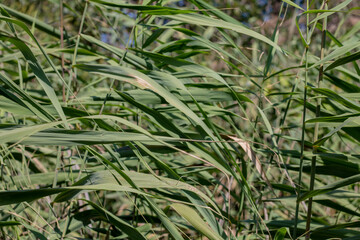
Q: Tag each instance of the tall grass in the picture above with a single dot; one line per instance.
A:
(176, 120)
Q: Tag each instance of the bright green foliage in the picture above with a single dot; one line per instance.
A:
(177, 120)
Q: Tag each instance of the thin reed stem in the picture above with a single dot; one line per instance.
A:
(303, 121)
(316, 130)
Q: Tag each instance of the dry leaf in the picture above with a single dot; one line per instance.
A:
(251, 154)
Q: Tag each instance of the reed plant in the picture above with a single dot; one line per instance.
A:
(179, 119)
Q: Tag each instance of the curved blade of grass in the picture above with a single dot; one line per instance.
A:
(18, 196)
(138, 7)
(141, 180)
(338, 184)
(281, 233)
(38, 71)
(25, 101)
(339, 118)
(131, 231)
(331, 11)
(16, 133)
(354, 120)
(216, 12)
(344, 60)
(211, 22)
(129, 57)
(344, 85)
(143, 81)
(293, 4)
(195, 220)
(9, 223)
(304, 42)
(164, 219)
(31, 20)
(337, 53)
(336, 97)
(52, 137)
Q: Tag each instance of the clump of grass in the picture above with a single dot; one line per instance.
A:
(177, 121)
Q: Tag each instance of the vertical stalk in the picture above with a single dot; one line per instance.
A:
(73, 74)
(62, 46)
(316, 130)
(298, 190)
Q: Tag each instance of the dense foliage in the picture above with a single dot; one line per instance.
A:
(179, 119)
